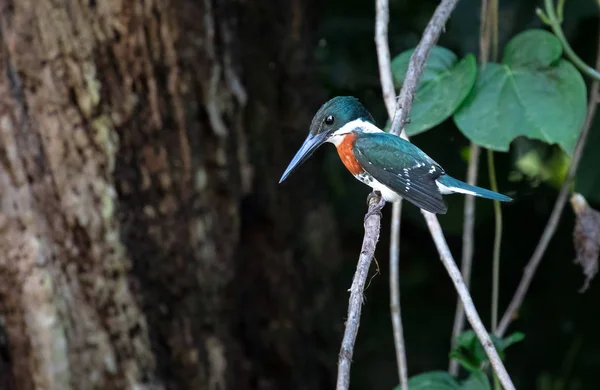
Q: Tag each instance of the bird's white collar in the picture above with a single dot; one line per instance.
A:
(366, 127)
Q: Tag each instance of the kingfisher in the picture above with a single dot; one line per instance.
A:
(391, 165)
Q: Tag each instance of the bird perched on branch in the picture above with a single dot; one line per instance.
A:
(387, 163)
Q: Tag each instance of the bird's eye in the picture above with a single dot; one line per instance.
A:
(329, 120)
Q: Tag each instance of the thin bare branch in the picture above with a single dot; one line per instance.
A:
(372, 226)
(382, 18)
(465, 297)
(492, 19)
(417, 62)
(485, 41)
(389, 97)
(399, 344)
(559, 205)
(468, 247)
(497, 242)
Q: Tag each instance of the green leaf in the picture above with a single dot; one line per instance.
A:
(477, 381)
(533, 93)
(434, 380)
(510, 340)
(444, 85)
(440, 380)
(532, 49)
(470, 353)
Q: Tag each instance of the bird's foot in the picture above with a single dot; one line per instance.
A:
(378, 207)
(371, 195)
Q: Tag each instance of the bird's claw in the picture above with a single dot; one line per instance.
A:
(378, 207)
(371, 195)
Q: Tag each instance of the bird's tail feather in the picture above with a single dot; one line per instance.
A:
(449, 184)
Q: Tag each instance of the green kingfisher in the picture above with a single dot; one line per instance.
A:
(387, 163)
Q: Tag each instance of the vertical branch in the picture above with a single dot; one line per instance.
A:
(485, 38)
(469, 216)
(488, 37)
(493, 12)
(468, 249)
(399, 344)
(389, 97)
(492, 21)
(497, 242)
(559, 205)
(372, 226)
(382, 19)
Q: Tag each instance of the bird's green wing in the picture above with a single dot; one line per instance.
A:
(402, 167)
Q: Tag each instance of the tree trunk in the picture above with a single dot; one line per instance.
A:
(144, 241)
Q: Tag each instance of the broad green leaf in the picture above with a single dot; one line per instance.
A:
(532, 49)
(439, 61)
(444, 85)
(533, 93)
(477, 381)
(434, 380)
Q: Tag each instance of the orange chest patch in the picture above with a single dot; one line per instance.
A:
(347, 156)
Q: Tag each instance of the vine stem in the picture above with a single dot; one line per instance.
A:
(399, 344)
(468, 246)
(497, 242)
(559, 205)
(492, 20)
(389, 97)
(485, 41)
(382, 18)
(554, 21)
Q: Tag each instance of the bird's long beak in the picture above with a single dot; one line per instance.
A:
(311, 143)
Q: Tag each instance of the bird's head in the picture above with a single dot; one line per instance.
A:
(331, 117)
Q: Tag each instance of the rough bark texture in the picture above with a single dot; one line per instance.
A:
(144, 242)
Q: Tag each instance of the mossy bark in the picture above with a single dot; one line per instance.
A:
(144, 242)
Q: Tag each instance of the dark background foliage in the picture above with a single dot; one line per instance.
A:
(562, 345)
(144, 238)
